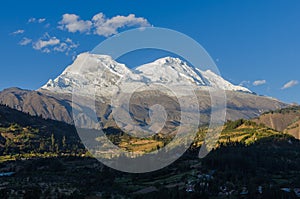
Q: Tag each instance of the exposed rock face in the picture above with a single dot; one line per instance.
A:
(58, 106)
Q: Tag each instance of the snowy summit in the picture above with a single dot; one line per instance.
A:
(90, 71)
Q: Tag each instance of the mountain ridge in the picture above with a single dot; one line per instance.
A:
(59, 106)
(55, 100)
(91, 70)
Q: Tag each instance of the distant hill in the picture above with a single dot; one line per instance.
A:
(37, 104)
(22, 133)
(286, 120)
(244, 132)
(58, 106)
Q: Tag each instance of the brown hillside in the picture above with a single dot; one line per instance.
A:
(285, 120)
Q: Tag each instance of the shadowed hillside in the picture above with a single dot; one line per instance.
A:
(247, 155)
(25, 135)
(58, 106)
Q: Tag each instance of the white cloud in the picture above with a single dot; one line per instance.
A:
(107, 27)
(69, 40)
(35, 20)
(32, 20)
(41, 20)
(46, 50)
(66, 46)
(25, 41)
(72, 23)
(259, 82)
(244, 83)
(47, 25)
(48, 44)
(61, 48)
(290, 84)
(18, 32)
(43, 43)
(100, 25)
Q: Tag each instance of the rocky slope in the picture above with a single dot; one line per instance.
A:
(286, 120)
(58, 106)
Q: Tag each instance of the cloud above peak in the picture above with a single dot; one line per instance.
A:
(259, 82)
(25, 41)
(290, 84)
(60, 42)
(48, 44)
(35, 20)
(100, 24)
(43, 43)
(18, 32)
(73, 23)
(108, 27)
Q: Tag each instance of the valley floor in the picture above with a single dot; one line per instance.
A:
(267, 169)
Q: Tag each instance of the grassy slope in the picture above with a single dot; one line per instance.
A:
(286, 120)
(247, 154)
(22, 134)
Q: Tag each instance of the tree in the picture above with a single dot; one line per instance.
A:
(42, 145)
(52, 142)
(64, 143)
(157, 147)
(56, 148)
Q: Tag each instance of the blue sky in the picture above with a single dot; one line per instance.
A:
(253, 42)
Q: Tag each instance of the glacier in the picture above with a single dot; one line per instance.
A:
(90, 72)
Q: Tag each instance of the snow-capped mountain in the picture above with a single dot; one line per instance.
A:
(101, 75)
(170, 70)
(90, 71)
(86, 72)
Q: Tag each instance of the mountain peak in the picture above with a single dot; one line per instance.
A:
(169, 60)
(86, 62)
(86, 72)
(90, 70)
(170, 70)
